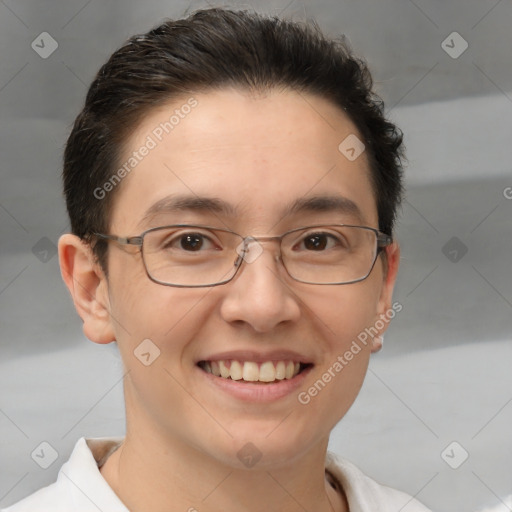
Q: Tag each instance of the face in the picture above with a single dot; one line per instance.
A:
(257, 155)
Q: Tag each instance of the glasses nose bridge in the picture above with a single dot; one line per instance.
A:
(245, 253)
(264, 238)
(277, 238)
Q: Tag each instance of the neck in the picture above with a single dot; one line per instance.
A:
(146, 476)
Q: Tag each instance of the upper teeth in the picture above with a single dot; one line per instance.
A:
(251, 371)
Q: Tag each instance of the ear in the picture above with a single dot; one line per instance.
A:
(88, 286)
(391, 263)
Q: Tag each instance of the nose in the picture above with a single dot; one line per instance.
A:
(260, 295)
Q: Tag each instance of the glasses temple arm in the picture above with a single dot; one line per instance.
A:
(383, 240)
(133, 240)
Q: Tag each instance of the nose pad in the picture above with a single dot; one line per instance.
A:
(248, 250)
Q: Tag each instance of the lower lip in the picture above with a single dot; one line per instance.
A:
(257, 392)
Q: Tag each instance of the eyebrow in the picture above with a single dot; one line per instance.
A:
(327, 204)
(321, 204)
(177, 203)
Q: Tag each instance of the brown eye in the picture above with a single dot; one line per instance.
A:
(192, 242)
(315, 242)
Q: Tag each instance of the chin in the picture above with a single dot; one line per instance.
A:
(278, 444)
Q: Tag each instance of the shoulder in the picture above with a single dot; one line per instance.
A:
(365, 494)
(80, 486)
(54, 498)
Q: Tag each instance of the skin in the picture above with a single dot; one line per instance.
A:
(258, 153)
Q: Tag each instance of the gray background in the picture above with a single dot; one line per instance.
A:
(444, 374)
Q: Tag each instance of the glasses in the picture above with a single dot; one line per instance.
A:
(198, 256)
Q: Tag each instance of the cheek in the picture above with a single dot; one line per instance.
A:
(159, 325)
(344, 315)
(343, 325)
(168, 316)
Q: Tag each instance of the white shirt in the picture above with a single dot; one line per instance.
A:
(80, 487)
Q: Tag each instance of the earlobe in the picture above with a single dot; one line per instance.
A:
(377, 343)
(88, 287)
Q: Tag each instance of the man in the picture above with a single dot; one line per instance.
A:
(232, 186)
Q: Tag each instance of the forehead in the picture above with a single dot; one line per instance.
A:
(258, 156)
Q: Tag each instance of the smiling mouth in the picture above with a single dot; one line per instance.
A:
(267, 372)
